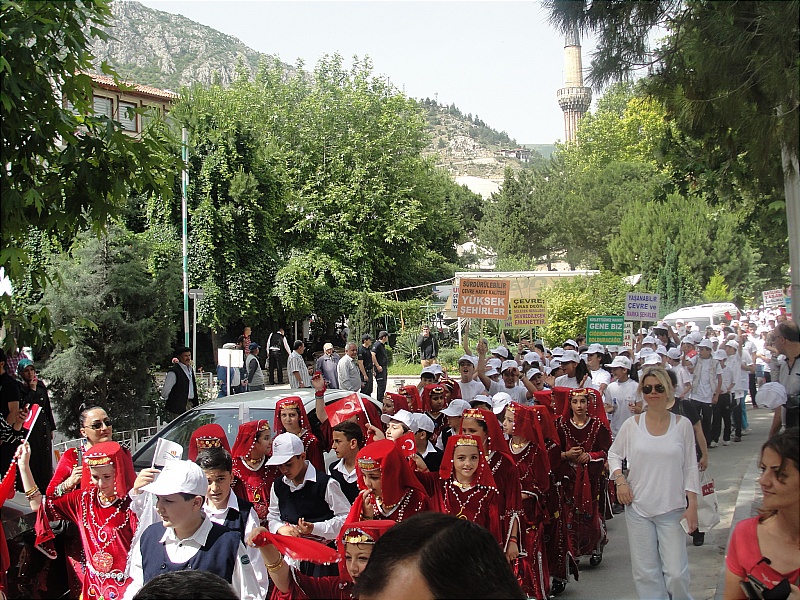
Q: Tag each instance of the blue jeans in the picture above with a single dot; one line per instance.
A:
(745, 425)
(659, 561)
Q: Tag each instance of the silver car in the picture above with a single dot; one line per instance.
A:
(229, 412)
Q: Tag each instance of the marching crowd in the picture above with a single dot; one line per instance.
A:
(495, 483)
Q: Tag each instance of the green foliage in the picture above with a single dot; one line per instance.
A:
(717, 290)
(66, 171)
(706, 239)
(676, 285)
(571, 301)
(122, 316)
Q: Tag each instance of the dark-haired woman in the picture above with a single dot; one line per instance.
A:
(767, 547)
(95, 428)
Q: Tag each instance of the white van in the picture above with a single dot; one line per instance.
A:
(704, 314)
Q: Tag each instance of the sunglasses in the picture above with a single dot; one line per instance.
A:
(99, 424)
(646, 389)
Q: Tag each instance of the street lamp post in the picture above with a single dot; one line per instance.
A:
(195, 294)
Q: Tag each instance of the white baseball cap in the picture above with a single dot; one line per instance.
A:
(771, 395)
(179, 477)
(674, 353)
(596, 349)
(532, 372)
(494, 362)
(284, 448)
(428, 370)
(402, 415)
(424, 422)
(554, 364)
(719, 355)
(652, 359)
(531, 357)
(706, 344)
(661, 350)
(557, 351)
(467, 358)
(481, 398)
(509, 364)
(612, 348)
(572, 343)
(650, 340)
(456, 408)
(627, 349)
(570, 356)
(621, 361)
(499, 401)
(732, 344)
(501, 350)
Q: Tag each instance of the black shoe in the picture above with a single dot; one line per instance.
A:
(617, 509)
(738, 438)
(698, 538)
(558, 587)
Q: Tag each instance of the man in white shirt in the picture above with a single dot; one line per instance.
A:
(741, 364)
(509, 371)
(186, 538)
(296, 367)
(706, 385)
(621, 396)
(470, 387)
(347, 369)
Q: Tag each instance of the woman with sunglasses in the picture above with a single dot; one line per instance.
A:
(663, 475)
(95, 428)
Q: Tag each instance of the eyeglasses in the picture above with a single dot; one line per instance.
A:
(646, 389)
(99, 424)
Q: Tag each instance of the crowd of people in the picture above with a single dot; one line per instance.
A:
(502, 478)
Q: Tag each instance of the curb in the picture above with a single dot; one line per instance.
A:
(748, 499)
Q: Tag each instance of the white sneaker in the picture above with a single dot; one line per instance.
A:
(726, 443)
(712, 445)
(746, 431)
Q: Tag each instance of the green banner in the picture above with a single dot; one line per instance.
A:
(605, 330)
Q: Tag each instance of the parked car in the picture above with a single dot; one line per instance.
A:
(230, 411)
(704, 314)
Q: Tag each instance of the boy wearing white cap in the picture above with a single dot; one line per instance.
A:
(470, 387)
(186, 538)
(721, 411)
(304, 502)
(452, 413)
(509, 371)
(706, 386)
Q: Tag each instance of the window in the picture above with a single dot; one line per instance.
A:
(103, 106)
(127, 118)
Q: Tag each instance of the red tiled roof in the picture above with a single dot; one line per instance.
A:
(107, 82)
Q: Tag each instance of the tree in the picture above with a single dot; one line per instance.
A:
(717, 290)
(122, 316)
(64, 171)
(727, 73)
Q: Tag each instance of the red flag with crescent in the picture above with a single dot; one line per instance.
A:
(7, 485)
(33, 414)
(343, 409)
(407, 444)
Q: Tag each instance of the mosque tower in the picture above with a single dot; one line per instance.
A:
(574, 98)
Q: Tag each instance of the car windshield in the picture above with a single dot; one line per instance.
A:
(180, 430)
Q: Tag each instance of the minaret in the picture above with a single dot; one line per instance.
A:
(574, 98)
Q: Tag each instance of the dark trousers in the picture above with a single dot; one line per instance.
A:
(753, 388)
(275, 364)
(738, 407)
(380, 380)
(721, 418)
(706, 412)
(366, 384)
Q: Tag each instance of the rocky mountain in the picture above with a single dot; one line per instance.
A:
(169, 51)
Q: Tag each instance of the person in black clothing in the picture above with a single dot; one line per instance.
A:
(180, 386)
(380, 360)
(428, 347)
(33, 391)
(10, 424)
(276, 344)
(365, 364)
(348, 439)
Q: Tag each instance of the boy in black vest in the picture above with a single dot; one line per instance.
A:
(186, 538)
(304, 502)
(348, 439)
(224, 507)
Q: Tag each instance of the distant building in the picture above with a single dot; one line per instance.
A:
(111, 100)
(574, 98)
(522, 154)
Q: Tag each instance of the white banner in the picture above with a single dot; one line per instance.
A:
(641, 307)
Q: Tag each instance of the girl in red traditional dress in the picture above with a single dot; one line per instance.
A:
(290, 415)
(389, 489)
(533, 463)
(100, 510)
(585, 440)
(252, 475)
(464, 486)
(434, 399)
(392, 402)
(412, 396)
(95, 427)
(355, 544)
(205, 437)
(484, 424)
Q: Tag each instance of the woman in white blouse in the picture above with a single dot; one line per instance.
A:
(659, 448)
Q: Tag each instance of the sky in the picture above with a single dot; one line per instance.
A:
(498, 60)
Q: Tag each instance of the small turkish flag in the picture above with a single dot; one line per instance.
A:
(728, 316)
(343, 409)
(407, 444)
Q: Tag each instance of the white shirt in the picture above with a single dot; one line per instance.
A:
(661, 468)
(333, 496)
(572, 382)
(179, 551)
(600, 377)
(349, 476)
(349, 375)
(704, 380)
(620, 395)
(296, 364)
(471, 389)
(519, 394)
(217, 515)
